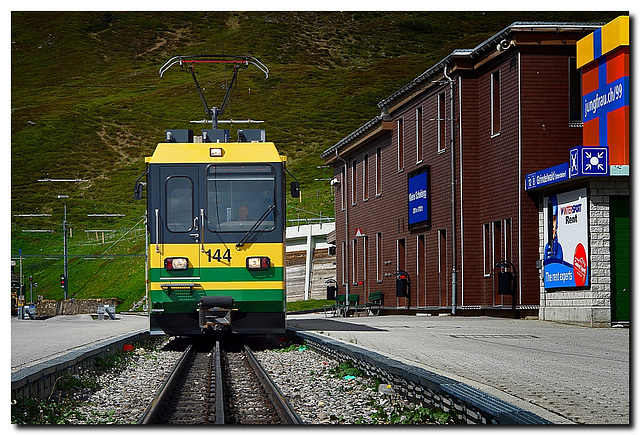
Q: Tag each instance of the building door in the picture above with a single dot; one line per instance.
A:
(401, 265)
(620, 288)
(498, 299)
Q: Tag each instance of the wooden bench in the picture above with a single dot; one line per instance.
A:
(354, 298)
(375, 303)
(337, 307)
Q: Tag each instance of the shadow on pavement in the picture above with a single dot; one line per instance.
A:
(328, 325)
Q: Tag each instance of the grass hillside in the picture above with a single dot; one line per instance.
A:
(87, 102)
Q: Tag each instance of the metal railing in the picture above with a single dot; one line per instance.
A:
(316, 218)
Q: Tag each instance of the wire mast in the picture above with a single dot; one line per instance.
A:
(237, 62)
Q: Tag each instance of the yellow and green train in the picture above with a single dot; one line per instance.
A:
(216, 224)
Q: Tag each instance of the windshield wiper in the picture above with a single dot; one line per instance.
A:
(255, 226)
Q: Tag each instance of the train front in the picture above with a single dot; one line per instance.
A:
(216, 222)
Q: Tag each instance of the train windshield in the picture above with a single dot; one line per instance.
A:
(240, 197)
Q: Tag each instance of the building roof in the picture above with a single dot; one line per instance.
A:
(360, 131)
(438, 68)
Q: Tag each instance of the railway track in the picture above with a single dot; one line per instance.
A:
(217, 386)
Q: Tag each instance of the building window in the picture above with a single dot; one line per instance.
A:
(401, 254)
(344, 263)
(486, 249)
(343, 187)
(575, 93)
(419, 135)
(378, 171)
(365, 259)
(354, 256)
(507, 239)
(400, 144)
(495, 103)
(441, 122)
(379, 257)
(365, 177)
(365, 264)
(497, 243)
(354, 199)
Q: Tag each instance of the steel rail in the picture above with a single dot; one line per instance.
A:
(149, 415)
(283, 407)
(285, 411)
(217, 360)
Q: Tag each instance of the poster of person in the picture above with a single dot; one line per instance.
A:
(566, 240)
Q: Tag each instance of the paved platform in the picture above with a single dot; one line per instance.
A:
(36, 341)
(566, 374)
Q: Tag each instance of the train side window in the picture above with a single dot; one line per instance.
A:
(179, 204)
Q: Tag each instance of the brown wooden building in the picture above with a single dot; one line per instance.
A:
(455, 145)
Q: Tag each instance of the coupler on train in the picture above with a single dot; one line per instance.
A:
(214, 312)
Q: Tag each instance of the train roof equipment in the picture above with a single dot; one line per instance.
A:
(188, 62)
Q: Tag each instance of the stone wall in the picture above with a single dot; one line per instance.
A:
(72, 306)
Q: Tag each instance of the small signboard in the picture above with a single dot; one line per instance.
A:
(547, 176)
(589, 161)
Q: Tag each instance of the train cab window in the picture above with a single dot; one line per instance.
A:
(179, 204)
(240, 197)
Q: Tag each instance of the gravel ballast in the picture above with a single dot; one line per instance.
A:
(125, 394)
(303, 376)
(317, 395)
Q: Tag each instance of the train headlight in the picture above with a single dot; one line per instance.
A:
(178, 263)
(258, 263)
(215, 152)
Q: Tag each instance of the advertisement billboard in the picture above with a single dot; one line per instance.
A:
(566, 240)
(603, 56)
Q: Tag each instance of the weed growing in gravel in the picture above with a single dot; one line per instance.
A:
(390, 411)
(69, 382)
(115, 361)
(34, 411)
(96, 417)
(293, 347)
(373, 383)
(345, 369)
(60, 407)
(120, 359)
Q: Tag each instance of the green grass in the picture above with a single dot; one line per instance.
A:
(311, 304)
(87, 102)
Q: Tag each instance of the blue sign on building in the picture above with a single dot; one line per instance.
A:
(588, 161)
(418, 198)
(547, 176)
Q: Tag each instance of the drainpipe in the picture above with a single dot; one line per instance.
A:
(454, 273)
(346, 228)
